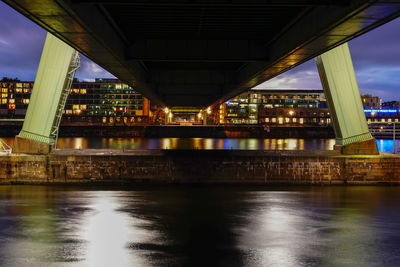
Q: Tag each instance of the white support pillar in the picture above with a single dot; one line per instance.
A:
(344, 102)
(37, 134)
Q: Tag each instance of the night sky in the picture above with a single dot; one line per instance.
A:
(376, 58)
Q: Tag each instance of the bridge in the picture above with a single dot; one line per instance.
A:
(200, 52)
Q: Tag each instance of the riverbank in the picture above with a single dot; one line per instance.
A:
(200, 131)
(199, 166)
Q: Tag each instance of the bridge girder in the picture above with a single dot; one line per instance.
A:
(244, 41)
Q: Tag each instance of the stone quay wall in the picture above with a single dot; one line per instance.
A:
(199, 166)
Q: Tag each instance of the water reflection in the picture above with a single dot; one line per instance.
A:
(199, 226)
(198, 143)
(108, 231)
(208, 143)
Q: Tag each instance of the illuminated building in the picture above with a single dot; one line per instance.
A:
(273, 106)
(14, 98)
(382, 115)
(370, 101)
(103, 102)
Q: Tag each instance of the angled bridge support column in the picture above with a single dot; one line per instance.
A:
(344, 102)
(50, 91)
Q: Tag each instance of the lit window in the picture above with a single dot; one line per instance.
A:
(25, 101)
(26, 90)
(287, 120)
(396, 120)
(280, 119)
(301, 120)
(266, 119)
(18, 90)
(104, 119)
(11, 101)
(294, 119)
(389, 120)
(4, 90)
(4, 95)
(382, 120)
(83, 91)
(75, 107)
(83, 107)
(273, 119)
(4, 101)
(11, 106)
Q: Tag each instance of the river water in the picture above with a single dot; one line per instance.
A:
(199, 226)
(208, 143)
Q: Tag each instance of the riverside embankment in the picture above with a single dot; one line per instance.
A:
(199, 166)
(202, 131)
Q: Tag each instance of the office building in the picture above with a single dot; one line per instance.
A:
(103, 102)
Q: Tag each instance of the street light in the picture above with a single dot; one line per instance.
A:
(166, 110)
(291, 112)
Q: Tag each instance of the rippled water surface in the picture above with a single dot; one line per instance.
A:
(199, 226)
(208, 143)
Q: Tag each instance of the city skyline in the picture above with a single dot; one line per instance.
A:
(376, 58)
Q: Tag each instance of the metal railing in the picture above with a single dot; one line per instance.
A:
(74, 65)
(385, 129)
(5, 148)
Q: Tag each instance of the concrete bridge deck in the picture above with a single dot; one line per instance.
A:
(199, 166)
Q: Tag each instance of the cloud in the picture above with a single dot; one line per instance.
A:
(90, 70)
(21, 45)
(304, 76)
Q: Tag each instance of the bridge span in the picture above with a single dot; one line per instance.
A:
(198, 53)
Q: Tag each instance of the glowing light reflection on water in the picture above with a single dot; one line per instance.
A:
(199, 226)
(384, 145)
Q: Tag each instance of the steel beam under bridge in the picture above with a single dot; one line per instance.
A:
(197, 53)
(339, 82)
(52, 83)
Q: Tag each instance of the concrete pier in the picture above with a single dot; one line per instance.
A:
(199, 166)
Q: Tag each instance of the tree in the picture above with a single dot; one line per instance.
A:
(6, 79)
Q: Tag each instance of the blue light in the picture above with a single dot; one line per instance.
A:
(380, 110)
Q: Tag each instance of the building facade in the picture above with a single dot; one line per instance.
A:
(277, 107)
(14, 98)
(370, 101)
(103, 102)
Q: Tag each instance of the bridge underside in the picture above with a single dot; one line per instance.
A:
(195, 53)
